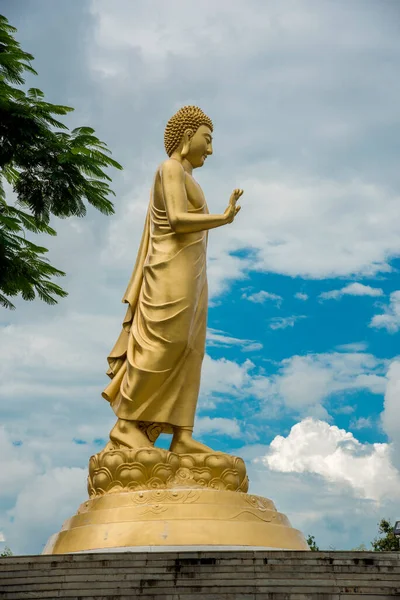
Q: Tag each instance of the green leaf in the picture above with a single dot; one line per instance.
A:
(52, 172)
(84, 130)
(35, 93)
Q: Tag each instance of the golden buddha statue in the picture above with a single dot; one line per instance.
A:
(155, 365)
(188, 495)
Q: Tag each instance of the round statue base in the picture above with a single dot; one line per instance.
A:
(181, 517)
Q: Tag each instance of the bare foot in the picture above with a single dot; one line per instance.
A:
(128, 434)
(188, 445)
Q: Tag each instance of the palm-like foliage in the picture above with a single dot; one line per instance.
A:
(52, 171)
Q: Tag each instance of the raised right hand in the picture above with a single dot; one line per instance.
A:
(232, 210)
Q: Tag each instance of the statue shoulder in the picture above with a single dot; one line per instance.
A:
(172, 168)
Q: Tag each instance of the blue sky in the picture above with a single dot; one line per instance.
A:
(302, 373)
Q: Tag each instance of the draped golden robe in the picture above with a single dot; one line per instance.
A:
(155, 365)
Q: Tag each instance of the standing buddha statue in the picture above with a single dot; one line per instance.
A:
(189, 495)
(155, 365)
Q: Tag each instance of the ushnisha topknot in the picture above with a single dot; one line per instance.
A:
(187, 117)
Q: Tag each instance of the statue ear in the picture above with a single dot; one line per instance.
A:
(186, 142)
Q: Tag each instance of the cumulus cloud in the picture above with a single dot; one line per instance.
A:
(217, 425)
(261, 296)
(224, 379)
(54, 372)
(286, 241)
(316, 447)
(135, 62)
(335, 512)
(35, 495)
(390, 318)
(301, 296)
(284, 322)
(65, 346)
(362, 423)
(131, 51)
(309, 385)
(303, 383)
(352, 289)
(42, 506)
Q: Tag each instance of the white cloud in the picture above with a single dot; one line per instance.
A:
(346, 409)
(261, 296)
(42, 506)
(317, 447)
(139, 52)
(223, 378)
(352, 289)
(362, 423)
(284, 322)
(303, 383)
(125, 229)
(221, 339)
(286, 241)
(353, 347)
(319, 506)
(58, 366)
(70, 345)
(391, 413)
(301, 296)
(254, 347)
(281, 241)
(18, 467)
(35, 495)
(217, 425)
(390, 318)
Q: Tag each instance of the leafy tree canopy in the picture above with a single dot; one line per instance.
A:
(387, 541)
(53, 171)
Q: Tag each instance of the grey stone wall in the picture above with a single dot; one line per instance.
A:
(250, 575)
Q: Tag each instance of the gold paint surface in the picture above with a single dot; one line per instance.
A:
(155, 364)
(182, 517)
(126, 469)
(190, 495)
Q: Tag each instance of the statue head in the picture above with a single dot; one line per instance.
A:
(189, 134)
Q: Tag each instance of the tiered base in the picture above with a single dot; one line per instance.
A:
(176, 517)
(152, 497)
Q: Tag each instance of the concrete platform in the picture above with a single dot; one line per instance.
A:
(180, 549)
(214, 575)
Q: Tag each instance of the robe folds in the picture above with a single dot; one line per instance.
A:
(155, 365)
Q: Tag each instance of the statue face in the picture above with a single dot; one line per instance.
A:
(200, 146)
